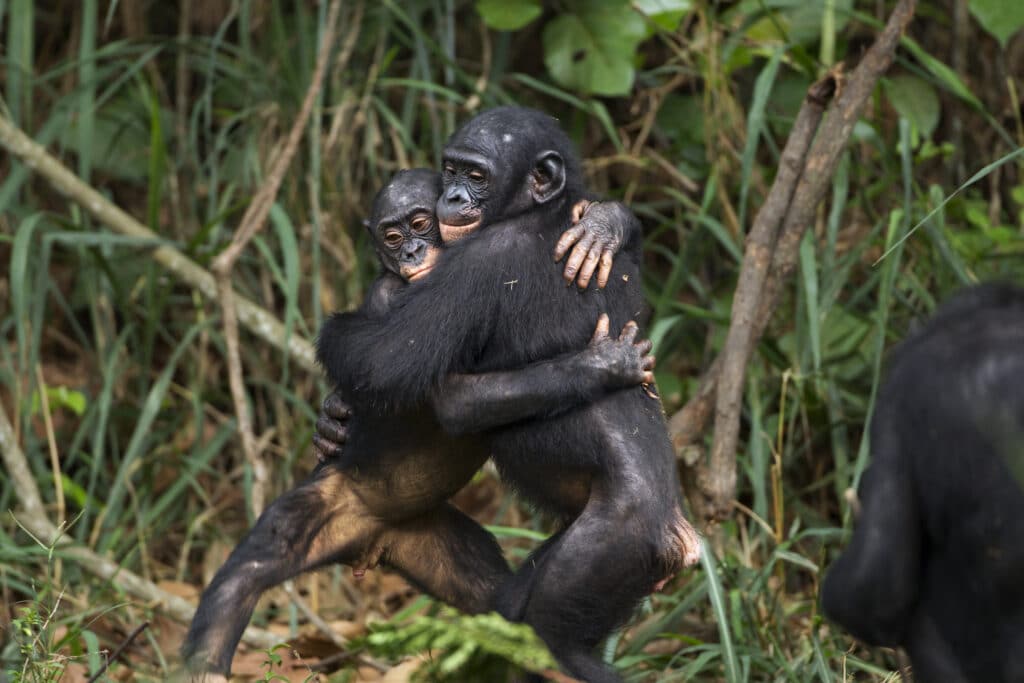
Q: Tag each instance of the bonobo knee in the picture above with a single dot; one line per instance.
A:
(665, 544)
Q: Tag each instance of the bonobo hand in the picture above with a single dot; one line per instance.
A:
(331, 431)
(628, 362)
(597, 233)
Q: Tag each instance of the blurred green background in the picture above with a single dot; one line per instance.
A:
(174, 111)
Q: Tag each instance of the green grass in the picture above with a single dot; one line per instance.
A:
(152, 473)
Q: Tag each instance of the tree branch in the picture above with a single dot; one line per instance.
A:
(254, 318)
(770, 258)
(253, 220)
(33, 519)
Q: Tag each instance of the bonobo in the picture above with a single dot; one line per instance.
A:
(492, 303)
(936, 562)
(384, 499)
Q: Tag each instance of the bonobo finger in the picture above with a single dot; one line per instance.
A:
(607, 259)
(331, 429)
(322, 448)
(648, 380)
(648, 362)
(578, 209)
(601, 331)
(568, 238)
(644, 346)
(589, 266)
(335, 407)
(579, 253)
(629, 332)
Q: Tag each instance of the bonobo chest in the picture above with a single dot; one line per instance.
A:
(539, 316)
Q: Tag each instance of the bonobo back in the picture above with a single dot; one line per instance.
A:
(937, 557)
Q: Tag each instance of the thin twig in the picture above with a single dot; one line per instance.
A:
(718, 481)
(253, 220)
(34, 521)
(339, 641)
(120, 648)
(770, 258)
(254, 318)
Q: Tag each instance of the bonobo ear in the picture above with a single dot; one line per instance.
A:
(368, 225)
(548, 176)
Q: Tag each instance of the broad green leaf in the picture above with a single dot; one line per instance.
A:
(665, 13)
(798, 22)
(508, 15)
(1001, 18)
(915, 100)
(593, 49)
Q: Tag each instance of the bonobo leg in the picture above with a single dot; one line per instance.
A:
(324, 521)
(319, 522)
(448, 555)
(588, 580)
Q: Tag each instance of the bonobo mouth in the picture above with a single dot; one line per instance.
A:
(420, 270)
(417, 274)
(452, 232)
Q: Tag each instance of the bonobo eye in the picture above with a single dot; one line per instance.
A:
(420, 224)
(449, 168)
(393, 239)
(477, 176)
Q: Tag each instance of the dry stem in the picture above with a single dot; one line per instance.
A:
(771, 255)
(34, 520)
(253, 220)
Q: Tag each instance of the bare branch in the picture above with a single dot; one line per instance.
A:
(252, 222)
(770, 257)
(254, 318)
(33, 519)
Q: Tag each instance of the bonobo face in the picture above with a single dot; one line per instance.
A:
(466, 178)
(502, 163)
(402, 224)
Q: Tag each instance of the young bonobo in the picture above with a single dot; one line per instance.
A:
(936, 562)
(607, 468)
(384, 499)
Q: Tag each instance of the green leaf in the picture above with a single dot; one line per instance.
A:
(508, 15)
(62, 397)
(915, 100)
(593, 49)
(798, 22)
(665, 13)
(945, 76)
(1001, 18)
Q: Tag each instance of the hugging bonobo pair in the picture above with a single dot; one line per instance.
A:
(476, 350)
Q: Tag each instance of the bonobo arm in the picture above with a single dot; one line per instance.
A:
(872, 589)
(435, 327)
(474, 403)
(600, 230)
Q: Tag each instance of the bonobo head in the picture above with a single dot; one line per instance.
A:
(402, 224)
(503, 163)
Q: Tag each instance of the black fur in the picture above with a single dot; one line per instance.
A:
(383, 499)
(494, 302)
(936, 562)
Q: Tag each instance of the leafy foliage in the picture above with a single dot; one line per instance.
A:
(1001, 18)
(680, 108)
(462, 648)
(593, 50)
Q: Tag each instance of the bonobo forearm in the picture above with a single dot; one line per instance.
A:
(474, 403)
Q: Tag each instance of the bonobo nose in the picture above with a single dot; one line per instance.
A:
(414, 249)
(454, 196)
